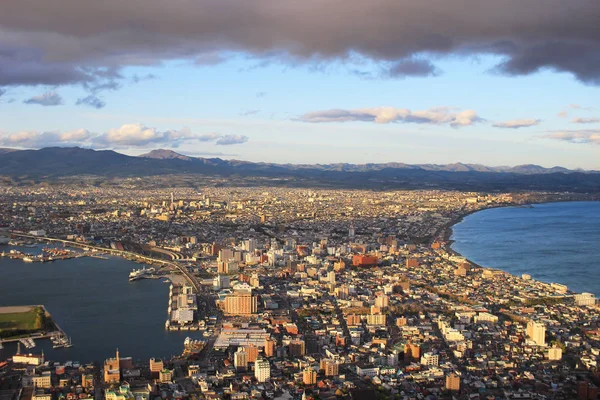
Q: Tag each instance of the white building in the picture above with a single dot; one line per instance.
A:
(262, 370)
(484, 317)
(430, 360)
(536, 331)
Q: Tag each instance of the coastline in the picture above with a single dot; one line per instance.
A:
(447, 231)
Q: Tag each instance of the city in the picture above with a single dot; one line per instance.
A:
(289, 293)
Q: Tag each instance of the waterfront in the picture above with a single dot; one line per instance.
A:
(96, 305)
(554, 242)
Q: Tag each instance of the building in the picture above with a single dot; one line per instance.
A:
(269, 347)
(165, 376)
(453, 382)
(363, 260)
(297, 348)
(585, 299)
(554, 353)
(262, 370)
(486, 318)
(29, 359)
(122, 393)
(309, 376)
(329, 367)
(252, 352)
(430, 359)
(382, 301)
(412, 262)
(536, 331)
(412, 352)
(240, 359)
(43, 381)
(155, 367)
(112, 370)
(241, 302)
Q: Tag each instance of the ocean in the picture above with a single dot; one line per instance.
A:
(553, 242)
(95, 304)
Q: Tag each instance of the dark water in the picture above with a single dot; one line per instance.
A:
(555, 242)
(95, 304)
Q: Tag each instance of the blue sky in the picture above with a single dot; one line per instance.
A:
(268, 108)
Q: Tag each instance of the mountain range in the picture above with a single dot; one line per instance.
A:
(59, 162)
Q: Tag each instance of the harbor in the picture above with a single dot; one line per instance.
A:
(85, 295)
(49, 255)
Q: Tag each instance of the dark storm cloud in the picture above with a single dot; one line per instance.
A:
(57, 42)
(413, 68)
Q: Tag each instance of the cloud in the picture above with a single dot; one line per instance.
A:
(413, 67)
(252, 111)
(208, 137)
(46, 99)
(126, 136)
(30, 139)
(586, 120)
(58, 45)
(2, 92)
(563, 114)
(580, 107)
(228, 140)
(91, 101)
(261, 94)
(138, 135)
(576, 136)
(385, 115)
(517, 123)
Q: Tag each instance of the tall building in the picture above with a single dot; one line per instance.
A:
(252, 352)
(155, 367)
(453, 382)
(536, 331)
(329, 367)
(412, 352)
(250, 245)
(430, 360)
(269, 347)
(240, 359)
(241, 302)
(262, 370)
(382, 301)
(309, 376)
(297, 348)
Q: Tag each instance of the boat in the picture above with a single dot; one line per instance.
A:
(141, 273)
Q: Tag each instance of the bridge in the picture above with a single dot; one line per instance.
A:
(121, 253)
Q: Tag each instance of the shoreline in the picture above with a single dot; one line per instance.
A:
(447, 231)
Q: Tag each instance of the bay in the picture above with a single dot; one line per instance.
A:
(95, 304)
(553, 242)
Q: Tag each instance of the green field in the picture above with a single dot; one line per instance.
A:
(21, 323)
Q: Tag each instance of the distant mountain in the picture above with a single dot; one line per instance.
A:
(56, 162)
(162, 154)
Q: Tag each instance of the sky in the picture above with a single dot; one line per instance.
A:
(327, 81)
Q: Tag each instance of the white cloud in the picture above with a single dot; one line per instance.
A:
(385, 115)
(576, 136)
(128, 135)
(586, 120)
(228, 140)
(517, 123)
(31, 139)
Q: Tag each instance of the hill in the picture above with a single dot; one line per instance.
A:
(56, 162)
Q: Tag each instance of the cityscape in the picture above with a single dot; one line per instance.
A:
(288, 293)
(299, 200)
